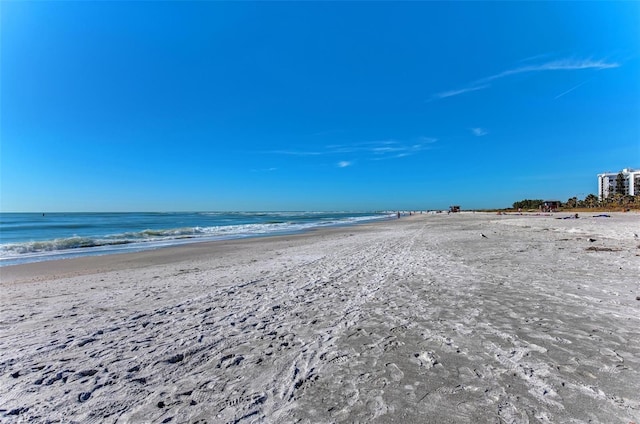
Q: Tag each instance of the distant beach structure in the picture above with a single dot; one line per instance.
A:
(625, 182)
(550, 206)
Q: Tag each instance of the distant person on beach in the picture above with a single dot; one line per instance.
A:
(398, 214)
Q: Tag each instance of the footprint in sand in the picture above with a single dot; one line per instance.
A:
(395, 373)
(426, 359)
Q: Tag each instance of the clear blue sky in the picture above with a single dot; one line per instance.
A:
(173, 106)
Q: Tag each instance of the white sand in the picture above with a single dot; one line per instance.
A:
(418, 320)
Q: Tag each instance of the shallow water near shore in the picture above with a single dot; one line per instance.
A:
(33, 237)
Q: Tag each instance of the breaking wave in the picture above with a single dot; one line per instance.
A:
(75, 245)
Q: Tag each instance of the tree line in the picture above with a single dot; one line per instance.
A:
(590, 201)
(616, 198)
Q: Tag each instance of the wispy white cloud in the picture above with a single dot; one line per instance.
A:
(297, 152)
(427, 140)
(555, 65)
(569, 90)
(371, 150)
(479, 132)
(537, 57)
(344, 164)
(460, 91)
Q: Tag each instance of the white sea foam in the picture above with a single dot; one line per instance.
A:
(272, 224)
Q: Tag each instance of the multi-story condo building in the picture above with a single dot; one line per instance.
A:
(607, 183)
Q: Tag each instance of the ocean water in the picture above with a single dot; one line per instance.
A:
(32, 237)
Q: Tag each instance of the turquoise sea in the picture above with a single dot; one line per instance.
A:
(32, 237)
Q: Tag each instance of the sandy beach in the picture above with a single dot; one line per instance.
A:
(460, 318)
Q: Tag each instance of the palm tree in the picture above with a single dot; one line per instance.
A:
(591, 200)
(617, 199)
(620, 189)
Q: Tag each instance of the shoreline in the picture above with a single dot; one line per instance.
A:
(94, 263)
(430, 318)
(65, 236)
(194, 250)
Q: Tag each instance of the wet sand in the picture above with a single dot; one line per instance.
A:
(417, 320)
